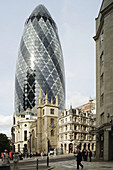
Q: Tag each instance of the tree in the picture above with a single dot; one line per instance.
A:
(4, 143)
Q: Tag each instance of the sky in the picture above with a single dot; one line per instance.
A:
(75, 20)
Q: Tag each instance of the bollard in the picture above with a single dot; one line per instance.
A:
(47, 161)
(37, 164)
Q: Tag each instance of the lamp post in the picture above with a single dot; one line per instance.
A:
(30, 143)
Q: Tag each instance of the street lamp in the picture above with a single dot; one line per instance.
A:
(30, 143)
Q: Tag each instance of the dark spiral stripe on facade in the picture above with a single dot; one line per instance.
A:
(50, 51)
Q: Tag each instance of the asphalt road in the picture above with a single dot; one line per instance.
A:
(67, 162)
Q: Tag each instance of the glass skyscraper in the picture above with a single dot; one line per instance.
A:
(39, 63)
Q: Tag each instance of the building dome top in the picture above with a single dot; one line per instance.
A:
(41, 10)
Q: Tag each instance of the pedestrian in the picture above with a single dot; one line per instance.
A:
(86, 155)
(42, 154)
(6, 157)
(83, 154)
(24, 155)
(79, 159)
(90, 155)
(15, 161)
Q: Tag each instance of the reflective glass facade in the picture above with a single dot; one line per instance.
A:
(39, 63)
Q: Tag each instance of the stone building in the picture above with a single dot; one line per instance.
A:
(37, 132)
(47, 124)
(104, 80)
(74, 130)
(21, 129)
(88, 107)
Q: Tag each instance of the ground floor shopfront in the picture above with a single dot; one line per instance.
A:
(105, 144)
(70, 147)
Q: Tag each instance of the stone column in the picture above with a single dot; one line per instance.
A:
(106, 145)
(82, 147)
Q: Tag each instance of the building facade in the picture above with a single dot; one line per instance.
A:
(104, 80)
(37, 132)
(74, 130)
(88, 107)
(47, 125)
(21, 129)
(40, 62)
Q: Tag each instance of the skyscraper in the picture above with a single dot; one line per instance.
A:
(39, 63)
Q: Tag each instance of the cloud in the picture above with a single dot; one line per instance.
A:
(6, 124)
(5, 120)
(7, 96)
(76, 99)
(7, 132)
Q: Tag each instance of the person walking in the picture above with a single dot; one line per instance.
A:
(15, 161)
(79, 159)
(6, 157)
(83, 154)
(86, 155)
(90, 155)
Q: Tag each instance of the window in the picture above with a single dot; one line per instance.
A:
(75, 135)
(102, 80)
(102, 37)
(92, 146)
(75, 127)
(71, 136)
(52, 111)
(66, 127)
(70, 118)
(43, 111)
(101, 59)
(102, 99)
(79, 128)
(23, 116)
(65, 136)
(52, 132)
(84, 128)
(102, 118)
(25, 135)
(52, 121)
(18, 147)
(14, 120)
(79, 120)
(71, 127)
(66, 120)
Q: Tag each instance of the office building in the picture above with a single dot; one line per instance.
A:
(40, 62)
(104, 81)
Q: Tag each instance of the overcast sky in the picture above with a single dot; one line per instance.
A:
(75, 20)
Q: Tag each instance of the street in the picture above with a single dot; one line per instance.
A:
(62, 163)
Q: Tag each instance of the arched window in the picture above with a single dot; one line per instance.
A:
(52, 132)
(92, 146)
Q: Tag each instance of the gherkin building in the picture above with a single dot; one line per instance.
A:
(39, 63)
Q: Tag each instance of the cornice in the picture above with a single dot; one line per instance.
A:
(104, 12)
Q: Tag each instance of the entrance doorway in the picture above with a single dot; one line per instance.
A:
(70, 148)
